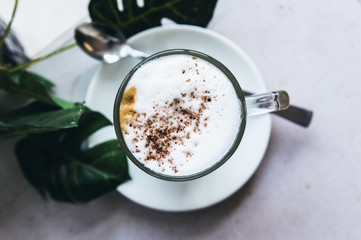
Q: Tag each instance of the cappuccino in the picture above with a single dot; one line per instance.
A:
(179, 114)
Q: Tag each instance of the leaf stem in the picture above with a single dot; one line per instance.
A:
(28, 64)
(8, 27)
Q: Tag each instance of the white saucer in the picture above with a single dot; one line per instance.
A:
(223, 182)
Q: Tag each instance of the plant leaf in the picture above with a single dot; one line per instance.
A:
(31, 85)
(17, 78)
(58, 165)
(134, 19)
(37, 118)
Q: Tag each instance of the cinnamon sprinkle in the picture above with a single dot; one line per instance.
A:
(170, 125)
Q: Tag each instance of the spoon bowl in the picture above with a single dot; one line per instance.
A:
(104, 42)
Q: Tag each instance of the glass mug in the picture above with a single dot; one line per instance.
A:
(249, 105)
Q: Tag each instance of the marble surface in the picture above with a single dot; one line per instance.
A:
(39, 29)
(309, 183)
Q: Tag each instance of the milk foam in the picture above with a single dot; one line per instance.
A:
(188, 115)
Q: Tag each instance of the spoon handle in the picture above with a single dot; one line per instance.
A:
(139, 54)
(127, 50)
(297, 115)
(294, 114)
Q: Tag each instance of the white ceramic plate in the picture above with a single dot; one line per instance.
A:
(220, 184)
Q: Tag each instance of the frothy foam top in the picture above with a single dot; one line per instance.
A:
(179, 114)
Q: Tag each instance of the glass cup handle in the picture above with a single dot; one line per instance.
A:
(267, 102)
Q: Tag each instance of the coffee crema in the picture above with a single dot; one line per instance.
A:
(179, 114)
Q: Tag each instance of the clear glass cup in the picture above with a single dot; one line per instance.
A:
(250, 105)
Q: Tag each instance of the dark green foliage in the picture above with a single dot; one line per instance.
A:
(135, 19)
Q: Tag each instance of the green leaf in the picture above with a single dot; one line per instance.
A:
(30, 76)
(58, 165)
(62, 103)
(37, 118)
(135, 19)
(30, 85)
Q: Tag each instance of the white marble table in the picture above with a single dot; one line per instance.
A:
(309, 183)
